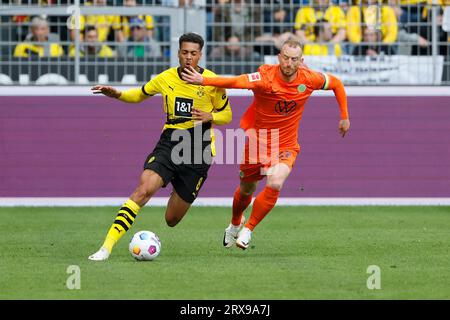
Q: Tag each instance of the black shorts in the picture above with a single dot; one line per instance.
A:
(187, 173)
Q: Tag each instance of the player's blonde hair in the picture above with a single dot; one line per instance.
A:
(293, 43)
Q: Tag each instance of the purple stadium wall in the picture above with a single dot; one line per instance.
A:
(94, 146)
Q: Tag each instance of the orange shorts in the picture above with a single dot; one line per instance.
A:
(252, 172)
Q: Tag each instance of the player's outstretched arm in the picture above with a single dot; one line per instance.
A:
(339, 92)
(106, 90)
(191, 76)
(133, 95)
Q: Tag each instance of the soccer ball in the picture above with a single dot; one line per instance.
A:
(145, 246)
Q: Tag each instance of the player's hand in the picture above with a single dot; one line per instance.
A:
(106, 90)
(344, 126)
(198, 115)
(190, 75)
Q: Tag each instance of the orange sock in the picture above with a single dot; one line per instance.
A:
(263, 203)
(240, 203)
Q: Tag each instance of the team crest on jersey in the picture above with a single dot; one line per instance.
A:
(252, 77)
(301, 88)
(201, 91)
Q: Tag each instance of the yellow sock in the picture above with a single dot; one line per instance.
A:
(123, 222)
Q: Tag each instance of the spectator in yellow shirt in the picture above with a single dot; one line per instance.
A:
(374, 15)
(121, 24)
(91, 46)
(103, 23)
(371, 45)
(307, 16)
(323, 45)
(39, 42)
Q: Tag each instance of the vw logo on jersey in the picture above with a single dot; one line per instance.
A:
(284, 107)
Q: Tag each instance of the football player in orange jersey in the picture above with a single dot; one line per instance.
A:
(280, 93)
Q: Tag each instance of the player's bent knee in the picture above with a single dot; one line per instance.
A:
(176, 209)
(172, 221)
(247, 192)
(247, 189)
(275, 185)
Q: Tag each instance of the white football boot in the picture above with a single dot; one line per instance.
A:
(244, 237)
(230, 234)
(100, 255)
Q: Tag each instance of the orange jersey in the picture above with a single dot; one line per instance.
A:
(278, 104)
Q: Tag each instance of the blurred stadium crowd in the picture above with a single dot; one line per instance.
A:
(237, 30)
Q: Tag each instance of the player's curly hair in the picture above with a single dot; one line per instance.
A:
(192, 37)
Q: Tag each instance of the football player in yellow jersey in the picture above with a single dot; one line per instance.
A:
(190, 110)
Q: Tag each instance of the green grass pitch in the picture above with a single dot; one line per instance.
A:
(296, 253)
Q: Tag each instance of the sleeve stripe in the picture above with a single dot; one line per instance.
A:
(143, 90)
(224, 106)
(327, 81)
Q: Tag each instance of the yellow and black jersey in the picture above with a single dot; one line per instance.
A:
(25, 50)
(180, 97)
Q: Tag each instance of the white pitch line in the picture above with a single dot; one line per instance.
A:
(219, 201)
